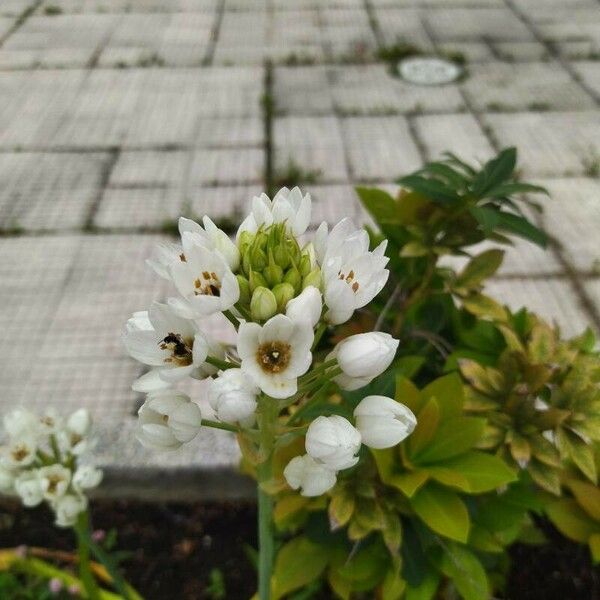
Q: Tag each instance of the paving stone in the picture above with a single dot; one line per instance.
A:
(224, 205)
(521, 51)
(460, 134)
(48, 191)
(572, 215)
(577, 50)
(230, 132)
(13, 8)
(314, 144)
(5, 25)
(302, 91)
(550, 144)
(500, 87)
(332, 203)
(227, 166)
(149, 169)
(554, 299)
(134, 6)
(372, 90)
(499, 24)
(589, 73)
(471, 51)
(437, 3)
(592, 288)
(127, 208)
(403, 26)
(347, 34)
(380, 148)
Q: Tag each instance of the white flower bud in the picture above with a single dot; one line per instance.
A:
(87, 477)
(74, 437)
(333, 441)
(167, 420)
(312, 478)
(383, 422)
(68, 508)
(54, 481)
(21, 422)
(28, 488)
(232, 395)
(366, 354)
(306, 307)
(80, 422)
(222, 244)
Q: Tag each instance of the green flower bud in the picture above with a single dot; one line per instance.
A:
(305, 266)
(313, 278)
(273, 274)
(281, 256)
(245, 241)
(294, 250)
(284, 292)
(256, 280)
(294, 278)
(263, 304)
(244, 289)
(258, 258)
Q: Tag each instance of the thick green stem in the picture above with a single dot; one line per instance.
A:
(219, 425)
(221, 364)
(268, 410)
(83, 550)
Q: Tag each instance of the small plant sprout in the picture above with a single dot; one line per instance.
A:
(283, 294)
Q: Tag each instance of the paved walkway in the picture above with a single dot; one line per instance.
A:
(116, 116)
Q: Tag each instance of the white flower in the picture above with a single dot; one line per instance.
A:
(173, 345)
(28, 488)
(67, 508)
(363, 357)
(54, 481)
(333, 441)
(276, 354)
(19, 452)
(232, 396)
(167, 420)
(383, 422)
(7, 480)
(50, 423)
(73, 437)
(21, 422)
(288, 206)
(86, 477)
(313, 478)
(306, 306)
(204, 280)
(352, 276)
(211, 237)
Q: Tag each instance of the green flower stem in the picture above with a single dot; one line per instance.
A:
(316, 372)
(219, 425)
(83, 550)
(318, 335)
(221, 364)
(243, 312)
(268, 411)
(314, 400)
(232, 319)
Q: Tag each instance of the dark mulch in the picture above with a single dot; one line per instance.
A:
(174, 548)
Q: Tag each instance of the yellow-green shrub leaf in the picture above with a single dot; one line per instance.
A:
(570, 519)
(298, 563)
(580, 453)
(453, 437)
(594, 543)
(408, 393)
(449, 393)
(484, 306)
(588, 496)
(341, 508)
(428, 419)
(426, 590)
(546, 477)
(480, 267)
(443, 511)
(287, 507)
(466, 572)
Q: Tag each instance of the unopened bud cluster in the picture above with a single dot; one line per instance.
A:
(40, 462)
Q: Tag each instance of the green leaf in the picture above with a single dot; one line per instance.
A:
(580, 453)
(594, 543)
(495, 171)
(588, 496)
(452, 438)
(484, 306)
(431, 188)
(443, 511)
(453, 178)
(380, 205)
(521, 227)
(466, 572)
(298, 563)
(508, 189)
(449, 393)
(482, 472)
(414, 249)
(428, 419)
(480, 267)
(486, 217)
(454, 160)
(571, 520)
(426, 590)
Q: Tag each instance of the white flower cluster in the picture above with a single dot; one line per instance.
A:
(278, 293)
(40, 461)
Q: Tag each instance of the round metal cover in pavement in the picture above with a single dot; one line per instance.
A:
(424, 70)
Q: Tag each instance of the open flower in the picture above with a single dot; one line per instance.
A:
(86, 477)
(307, 306)
(276, 354)
(54, 481)
(210, 236)
(19, 452)
(173, 345)
(311, 477)
(28, 488)
(67, 508)
(204, 280)
(352, 275)
(232, 396)
(383, 422)
(333, 441)
(288, 206)
(167, 420)
(21, 422)
(74, 437)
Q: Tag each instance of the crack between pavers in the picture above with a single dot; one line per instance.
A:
(105, 174)
(20, 20)
(214, 35)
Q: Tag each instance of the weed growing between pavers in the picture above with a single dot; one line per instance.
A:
(402, 425)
